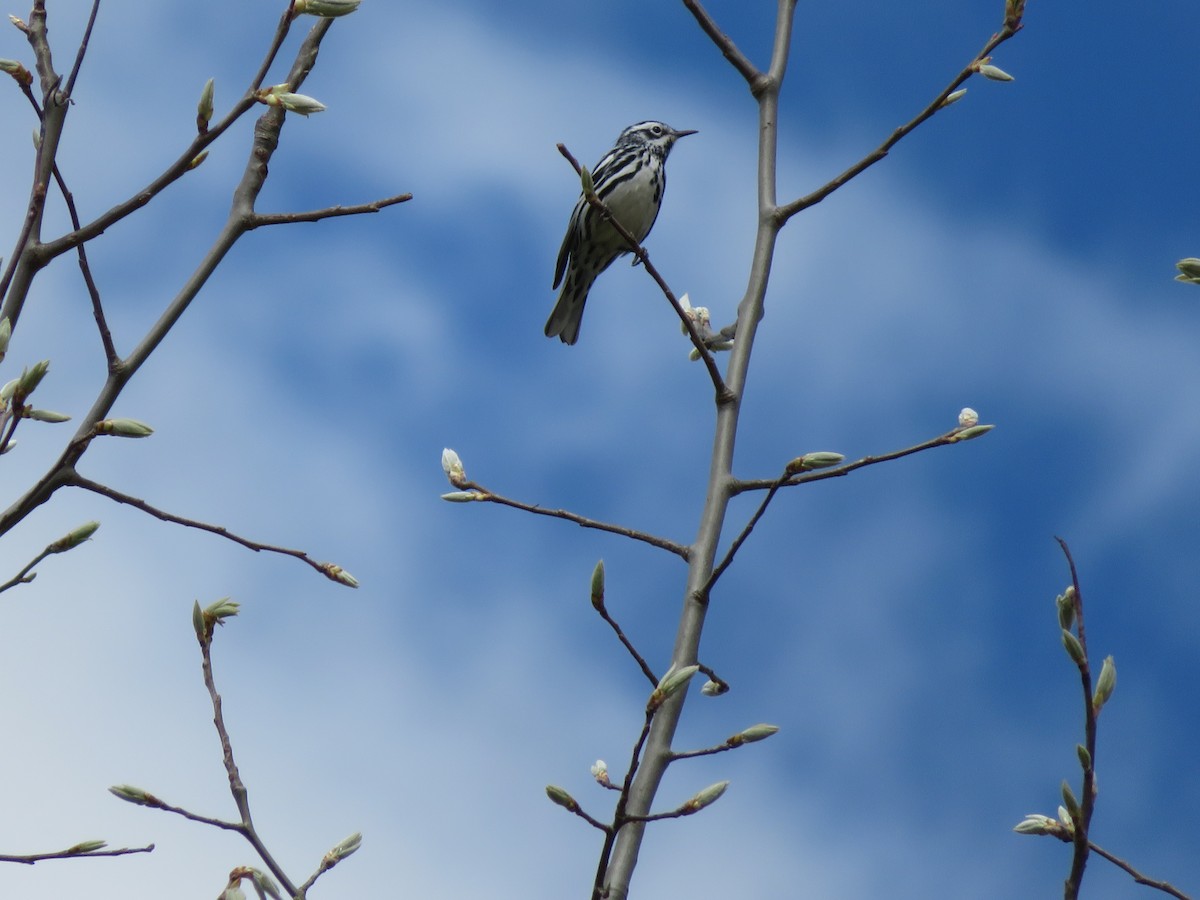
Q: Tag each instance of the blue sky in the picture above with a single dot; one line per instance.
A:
(1014, 255)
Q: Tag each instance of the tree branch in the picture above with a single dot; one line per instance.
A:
(79, 851)
(787, 210)
(485, 495)
(600, 607)
(726, 45)
(240, 220)
(617, 870)
(110, 350)
(1083, 821)
(329, 570)
(316, 215)
(83, 45)
(1137, 876)
(237, 787)
(953, 436)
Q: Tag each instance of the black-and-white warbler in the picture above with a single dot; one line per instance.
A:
(630, 179)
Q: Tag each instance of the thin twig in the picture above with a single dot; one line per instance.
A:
(725, 563)
(281, 33)
(83, 45)
(23, 577)
(1138, 876)
(786, 480)
(1087, 802)
(787, 210)
(707, 751)
(620, 818)
(37, 255)
(77, 480)
(761, 484)
(602, 609)
(643, 257)
(316, 215)
(237, 787)
(680, 550)
(678, 813)
(152, 802)
(110, 350)
(591, 820)
(71, 853)
(725, 44)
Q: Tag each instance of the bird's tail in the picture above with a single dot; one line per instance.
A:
(567, 314)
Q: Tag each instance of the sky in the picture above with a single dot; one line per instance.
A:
(1015, 255)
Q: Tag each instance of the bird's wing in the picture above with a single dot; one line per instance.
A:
(570, 242)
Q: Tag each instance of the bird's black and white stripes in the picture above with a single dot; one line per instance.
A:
(630, 179)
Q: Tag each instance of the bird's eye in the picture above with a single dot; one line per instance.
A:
(656, 130)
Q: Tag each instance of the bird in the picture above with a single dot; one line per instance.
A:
(630, 179)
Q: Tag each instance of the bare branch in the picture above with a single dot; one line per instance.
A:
(150, 801)
(1087, 805)
(110, 350)
(759, 484)
(74, 479)
(237, 787)
(79, 851)
(1138, 876)
(69, 541)
(35, 255)
(620, 818)
(83, 45)
(725, 563)
(787, 210)
(637, 657)
(619, 858)
(725, 44)
(316, 215)
(485, 495)
(24, 576)
(789, 480)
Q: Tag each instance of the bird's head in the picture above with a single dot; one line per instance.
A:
(656, 135)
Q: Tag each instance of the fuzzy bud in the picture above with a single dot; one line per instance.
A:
(954, 97)
(130, 428)
(1189, 270)
(754, 733)
(706, 797)
(336, 573)
(1105, 684)
(598, 585)
(453, 467)
(1073, 647)
(561, 797)
(204, 110)
(74, 538)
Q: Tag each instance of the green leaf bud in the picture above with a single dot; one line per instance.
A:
(74, 538)
(204, 109)
(1105, 684)
(598, 585)
(561, 797)
(706, 797)
(130, 428)
(1074, 648)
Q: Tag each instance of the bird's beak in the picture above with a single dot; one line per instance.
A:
(680, 134)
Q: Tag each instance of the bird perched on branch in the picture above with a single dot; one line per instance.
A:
(630, 180)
